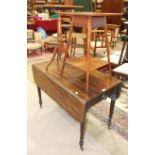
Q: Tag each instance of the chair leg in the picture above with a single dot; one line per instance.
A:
(122, 51)
(95, 47)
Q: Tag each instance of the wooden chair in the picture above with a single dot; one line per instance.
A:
(121, 71)
(99, 41)
(75, 37)
(113, 23)
(119, 57)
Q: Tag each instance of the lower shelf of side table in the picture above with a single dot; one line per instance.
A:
(85, 63)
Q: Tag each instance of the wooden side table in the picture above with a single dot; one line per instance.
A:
(87, 20)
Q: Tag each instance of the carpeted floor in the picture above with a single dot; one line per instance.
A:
(100, 110)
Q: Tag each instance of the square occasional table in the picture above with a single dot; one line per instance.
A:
(89, 21)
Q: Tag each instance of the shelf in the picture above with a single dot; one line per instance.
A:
(56, 6)
(83, 63)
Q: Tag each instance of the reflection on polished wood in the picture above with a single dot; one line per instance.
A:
(81, 63)
(69, 91)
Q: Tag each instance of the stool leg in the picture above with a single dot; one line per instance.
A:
(69, 41)
(54, 53)
(63, 65)
(107, 47)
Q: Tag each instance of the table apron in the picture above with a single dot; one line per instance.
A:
(113, 93)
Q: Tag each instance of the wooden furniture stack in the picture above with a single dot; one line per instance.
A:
(75, 83)
(69, 91)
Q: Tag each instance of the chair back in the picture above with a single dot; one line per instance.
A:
(124, 51)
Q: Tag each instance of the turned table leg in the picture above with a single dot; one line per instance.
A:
(39, 95)
(112, 105)
(82, 130)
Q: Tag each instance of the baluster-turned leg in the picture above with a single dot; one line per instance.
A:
(82, 130)
(67, 47)
(88, 59)
(39, 95)
(57, 50)
(112, 105)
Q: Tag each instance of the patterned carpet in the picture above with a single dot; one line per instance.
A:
(120, 117)
(100, 110)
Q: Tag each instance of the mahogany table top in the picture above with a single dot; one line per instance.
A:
(74, 80)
